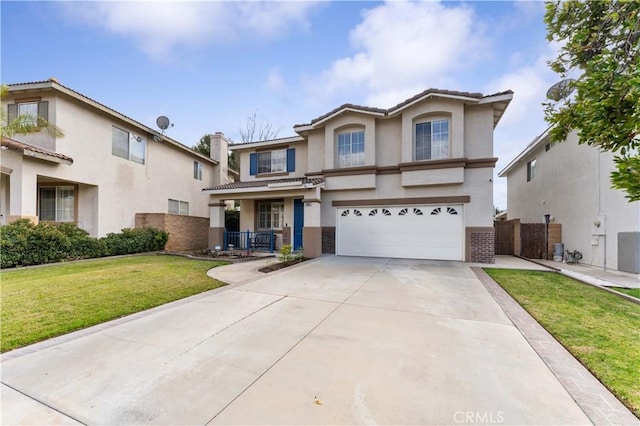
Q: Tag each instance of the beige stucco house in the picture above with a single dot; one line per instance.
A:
(571, 183)
(106, 173)
(412, 181)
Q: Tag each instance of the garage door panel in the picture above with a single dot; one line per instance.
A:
(423, 232)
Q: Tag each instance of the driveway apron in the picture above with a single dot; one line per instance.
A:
(335, 341)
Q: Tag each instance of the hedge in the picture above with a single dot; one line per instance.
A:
(23, 244)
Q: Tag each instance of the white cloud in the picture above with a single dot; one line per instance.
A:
(276, 84)
(402, 48)
(160, 28)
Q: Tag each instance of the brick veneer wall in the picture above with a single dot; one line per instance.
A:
(480, 245)
(329, 239)
(186, 233)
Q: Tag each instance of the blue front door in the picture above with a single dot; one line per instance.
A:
(298, 223)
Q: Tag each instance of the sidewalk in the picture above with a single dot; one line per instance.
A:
(594, 275)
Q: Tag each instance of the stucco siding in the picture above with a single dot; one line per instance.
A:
(110, 189)
(572, 184)
(478, 131)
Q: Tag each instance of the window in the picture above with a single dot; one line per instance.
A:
(531, 170)
(432, 140)
(33, 109)
(270, 215)
(351, 149)
(128, 146)
(277, 161)
(272, 161)
(57, 203)
(29, 109)
(197, 170)
(178, 207)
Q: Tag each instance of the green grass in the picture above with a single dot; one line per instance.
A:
(601, 329)
(635, 292)
(40, 303)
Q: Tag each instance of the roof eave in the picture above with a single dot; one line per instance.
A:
(396, 110)
(533, 145)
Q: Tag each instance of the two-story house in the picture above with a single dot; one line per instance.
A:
(106, 173)
(412, 181)
(571, 183)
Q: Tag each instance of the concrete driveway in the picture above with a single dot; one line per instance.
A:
(334, 341)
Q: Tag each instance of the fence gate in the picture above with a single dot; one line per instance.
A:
(504, 237)
(533, 238)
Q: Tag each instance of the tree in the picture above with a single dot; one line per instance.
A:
(24, 123)
(255, 131)
(600, 43)
(204, 146)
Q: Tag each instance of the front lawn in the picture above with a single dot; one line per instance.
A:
(44, 302)
(635, 292)
(601, 329)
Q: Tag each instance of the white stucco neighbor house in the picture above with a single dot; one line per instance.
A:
(571, 183)
(106, 173)
(412, 181)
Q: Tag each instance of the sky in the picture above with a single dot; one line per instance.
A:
(208, 65)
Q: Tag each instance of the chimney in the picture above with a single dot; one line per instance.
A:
(219, 152)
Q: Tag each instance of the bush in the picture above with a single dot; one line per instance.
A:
(285, 253)
(137, 240)
(22, 243)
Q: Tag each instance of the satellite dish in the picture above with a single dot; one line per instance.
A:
(163, 122)
(560, 90)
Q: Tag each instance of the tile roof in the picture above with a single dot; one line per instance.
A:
(21, 146)
(286, 139)
(264, 183)
(430, 91)
(52, 82)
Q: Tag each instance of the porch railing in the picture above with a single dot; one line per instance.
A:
(247, 240)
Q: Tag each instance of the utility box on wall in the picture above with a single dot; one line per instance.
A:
(629, 252)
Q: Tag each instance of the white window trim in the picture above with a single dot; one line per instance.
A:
(432, 120)
(276, 216)
(180, 207)
(277, 161)
(133, 140)
(351, 159)
(57, 201)
(197, 170)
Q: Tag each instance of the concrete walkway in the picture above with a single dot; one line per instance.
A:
(331, 341)
(595, 276)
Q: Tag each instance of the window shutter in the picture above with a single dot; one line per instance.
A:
(43, 110)
(253, 164)
(13, 112)
(291, 160)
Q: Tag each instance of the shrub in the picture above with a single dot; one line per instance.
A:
(22, 243)
(137, 240)
(14, 242)
(285, 253)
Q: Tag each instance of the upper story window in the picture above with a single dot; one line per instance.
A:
(178, 207)
(57, 203)
(197, 170)
(276, 161)
(128, 146)
(31, 110)
(272, 161)
(531, 170)
(432, 140)
(351, 149)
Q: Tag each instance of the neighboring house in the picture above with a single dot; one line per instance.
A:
(571, 183)
(106, 173)
(412, 181)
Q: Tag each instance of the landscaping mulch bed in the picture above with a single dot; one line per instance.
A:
(281, 265)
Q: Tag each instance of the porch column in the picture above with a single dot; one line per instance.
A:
(312, 230)
(23, 190)
(216, 224)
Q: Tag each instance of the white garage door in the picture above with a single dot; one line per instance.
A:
(414, 232)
